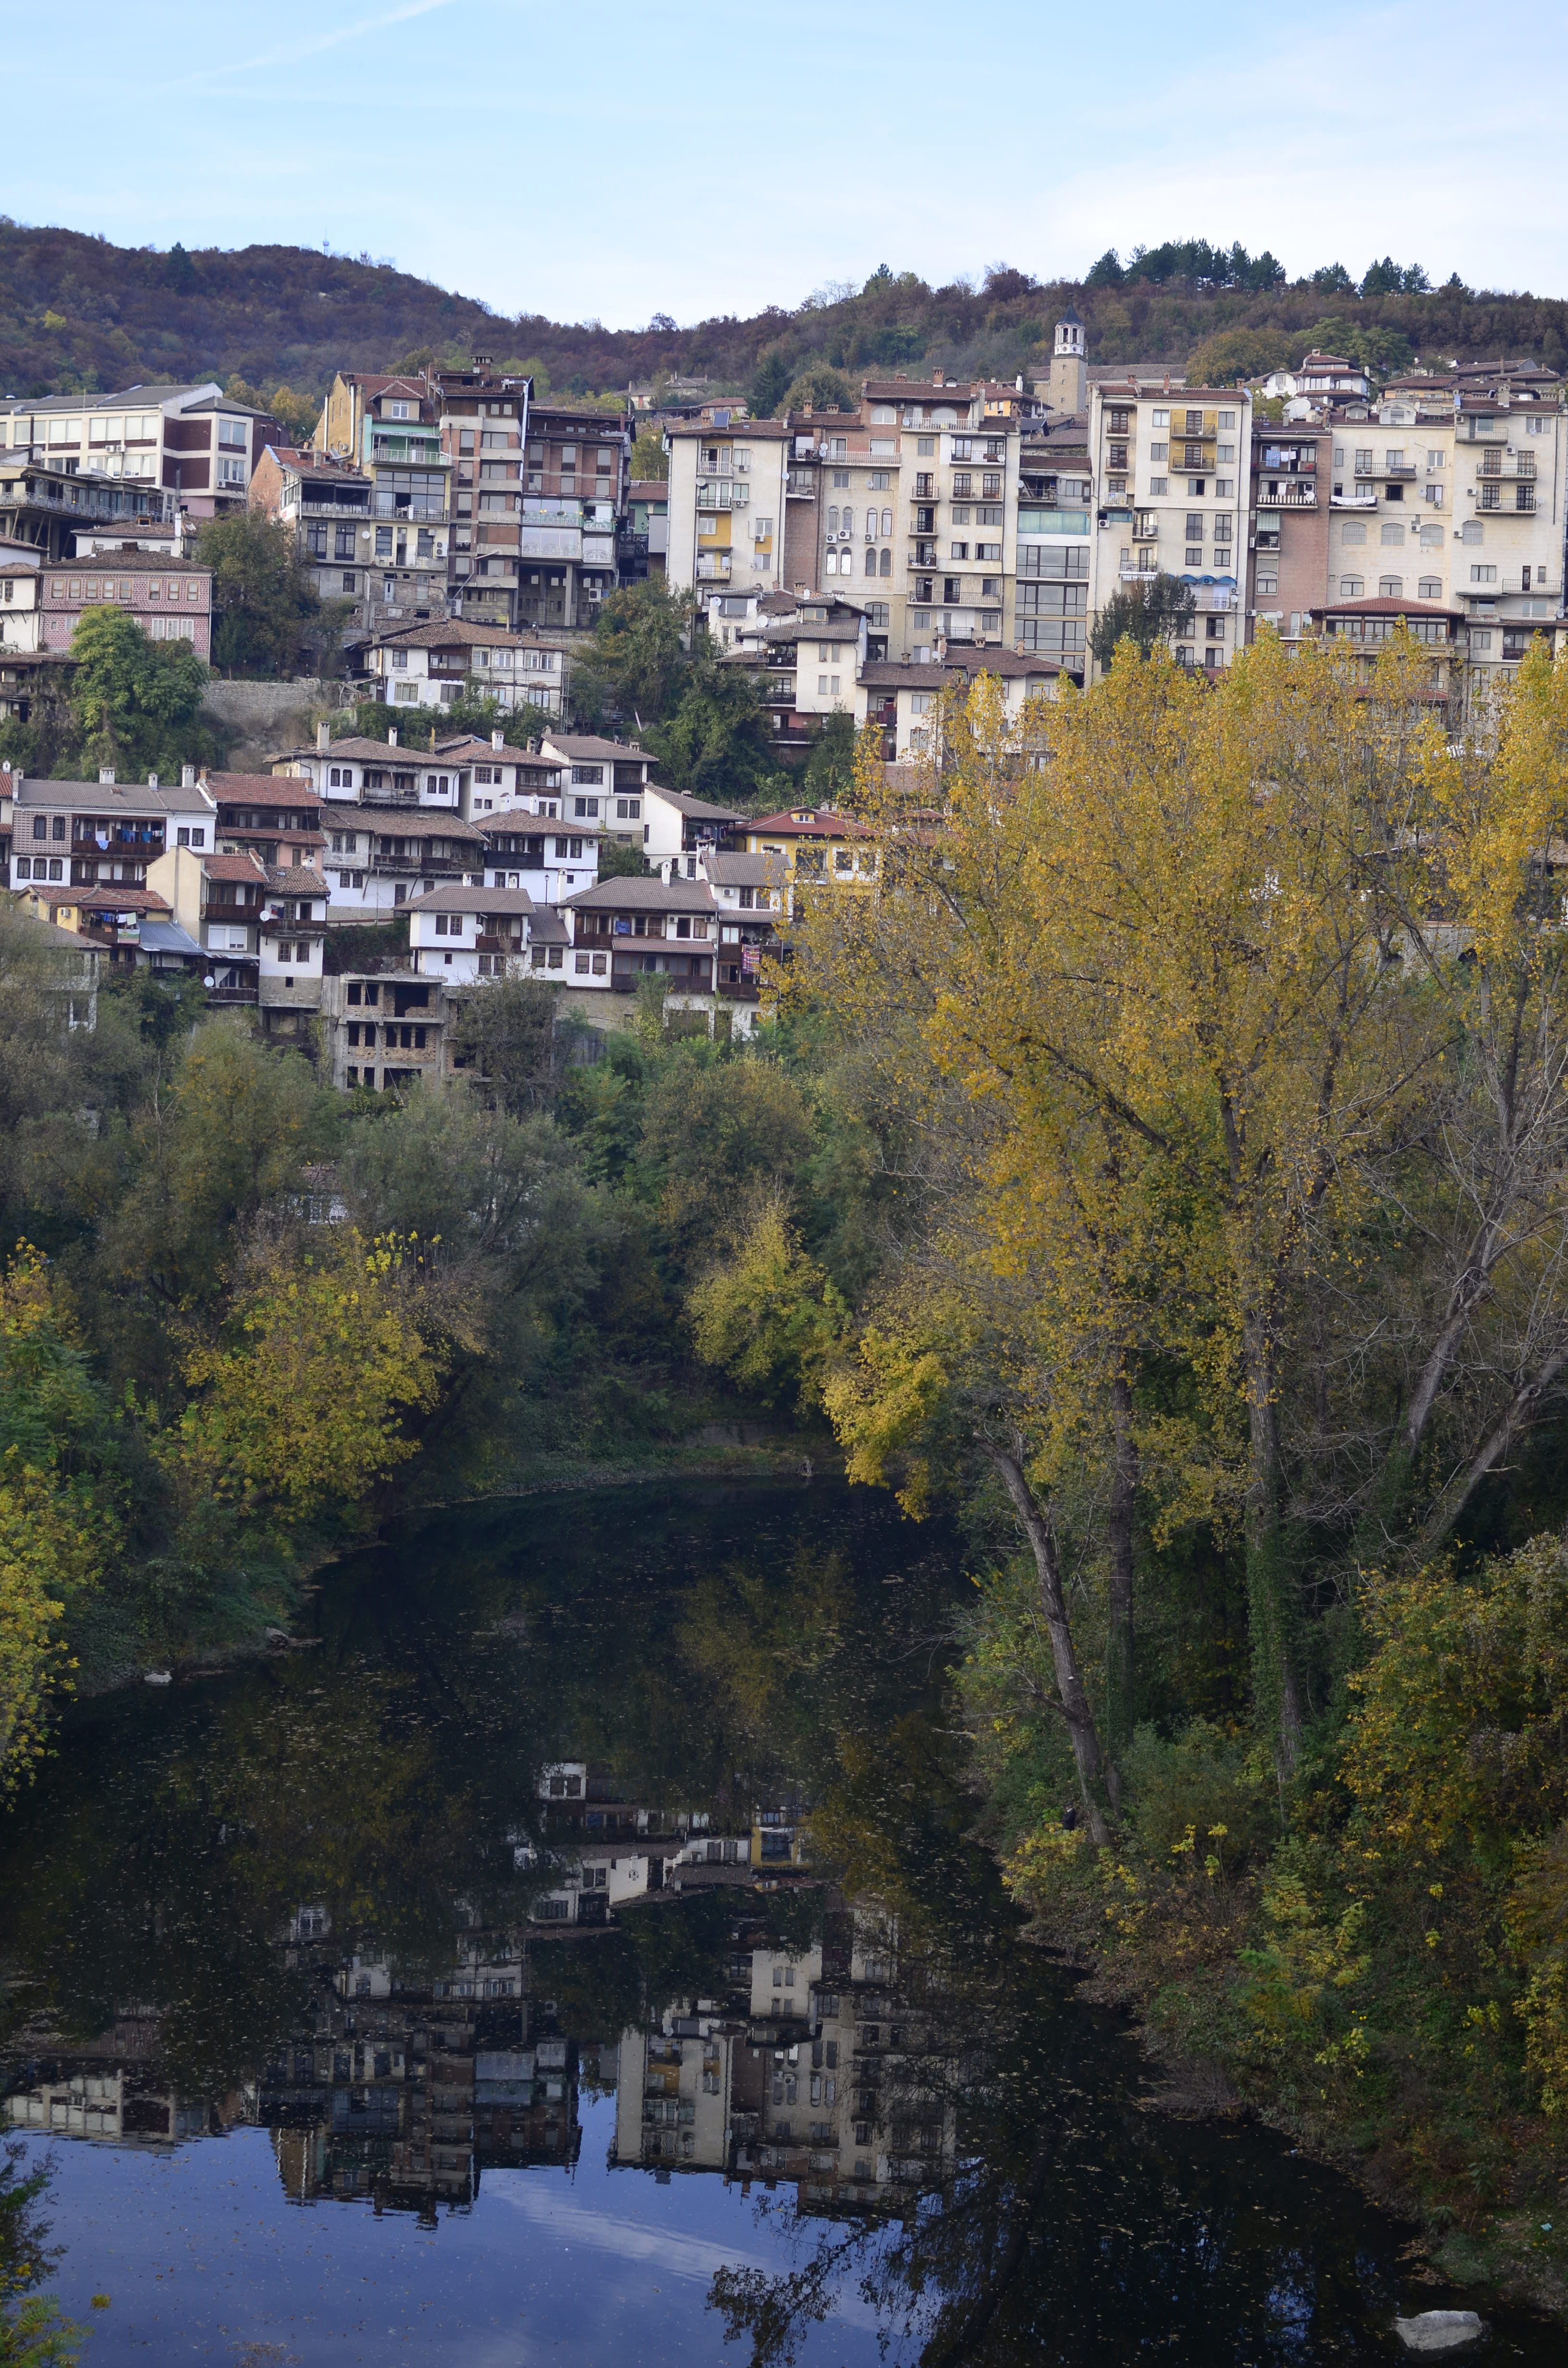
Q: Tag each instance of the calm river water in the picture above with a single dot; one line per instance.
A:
(461, 1989)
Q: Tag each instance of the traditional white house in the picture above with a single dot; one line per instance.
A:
(459, 934)
(623, 928)
(676, 826)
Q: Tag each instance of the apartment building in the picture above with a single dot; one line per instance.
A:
(577, 471)
(326, 505)
(1171, 476)
(814, 846)
(383, 1030)
(484, 424)
(60, 514)
(389, 430)
(170, 599)
(1289, 521)
(1450, 493)
(193, 441)
(726, 506)
(910, 499)
(602, 783)
(430, 664)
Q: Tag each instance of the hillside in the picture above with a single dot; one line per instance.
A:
(77, 312)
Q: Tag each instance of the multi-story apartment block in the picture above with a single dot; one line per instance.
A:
(577, 471)
(726, 506)
(327, 506)
(58, 513)
(1289, 525)
(193, 441)
(170, 599)
(389, 428)
(906, 505)
(1172, 474)
(484, 422)
(277, 818)
(384, 1029)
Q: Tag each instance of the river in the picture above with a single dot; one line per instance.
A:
(471, 1986)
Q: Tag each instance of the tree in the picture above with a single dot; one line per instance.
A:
(818, 387)
(1107, 273)
(265, 606)
(766, 1314)
(1391, 279)
(830, 767)
(619, 860)
(301, 1404)
(135, 701)
(640, 660)
(1333, 280)
(649, 462)
(1232, 356)
(509, 1039)
(717, 743)
(1144, 614)
(769, 384)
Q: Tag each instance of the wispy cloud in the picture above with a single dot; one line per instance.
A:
(293, 53)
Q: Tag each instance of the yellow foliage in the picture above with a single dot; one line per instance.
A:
(49, 1552)
(304, 1404)
(768, 1315)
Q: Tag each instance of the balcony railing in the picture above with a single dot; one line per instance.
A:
(406, 506)
(1523, 504)
(1274, 496)
(1356, 501)
(1510, 467)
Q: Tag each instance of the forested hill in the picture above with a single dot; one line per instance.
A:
(77, 312)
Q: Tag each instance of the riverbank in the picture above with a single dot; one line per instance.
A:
(110, 1653)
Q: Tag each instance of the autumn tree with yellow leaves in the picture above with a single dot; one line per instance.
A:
(1231, 1019)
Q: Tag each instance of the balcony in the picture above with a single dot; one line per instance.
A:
(1356, 501)
(406, 506)
(1490, 501)
(1286, 495)
(1512, 468)
(800, 485)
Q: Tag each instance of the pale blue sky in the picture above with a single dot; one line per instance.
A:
(614, 161)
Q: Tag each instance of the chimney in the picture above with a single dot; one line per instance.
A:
(392, 735)
(151, 781)
(187, 777)
(935, 378)
(498, 739)
(106, 776)
(324, 738)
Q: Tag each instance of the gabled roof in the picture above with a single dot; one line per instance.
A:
(744, 871)
(695, 809)
(456, 631)
(358, 751)
(245, 868)
(630, 895)
(1384, 606)
(470, 749)
(472, 900)
(295, 879)
(581, 748)
(112, 797)
(400, 822)
(127, 557)
(264, 789)
(808, 822)
(108, 899)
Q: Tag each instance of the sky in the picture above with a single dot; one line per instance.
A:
(698, 159)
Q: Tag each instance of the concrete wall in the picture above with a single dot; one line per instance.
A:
(269, 715)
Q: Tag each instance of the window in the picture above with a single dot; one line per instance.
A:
(1352, 588)
(1193, 556)
(1194, 526)
(383, 542)
(1391, 587)
(1391, 534)
(396, 410)
(1472, 531)
(1483, 575)
(958, 550)
(1353, 533)
(587, 773)
(925, 446)
(1430, 587)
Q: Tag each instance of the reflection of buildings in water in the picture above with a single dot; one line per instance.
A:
(822, 2070)
(606, 1852)
(115, 2089)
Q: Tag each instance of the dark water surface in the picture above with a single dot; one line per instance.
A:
(461, 1989)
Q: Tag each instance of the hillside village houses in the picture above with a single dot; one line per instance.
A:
(865, 562)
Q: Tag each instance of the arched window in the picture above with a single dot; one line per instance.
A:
(1430, 587)
(833, 518)
(870, 560)
(887, 562)
(1351, 588)
(848, 519)
(887, 527)
(1391, 587)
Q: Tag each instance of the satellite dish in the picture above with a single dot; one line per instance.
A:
(211, 979)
